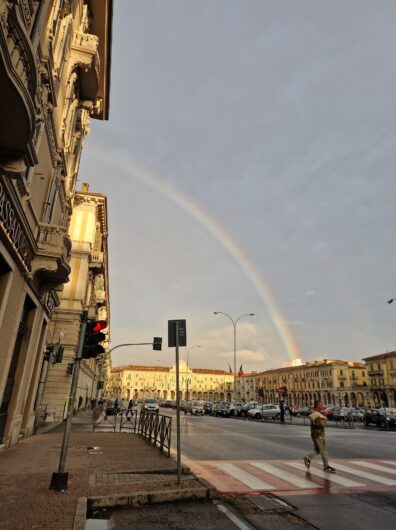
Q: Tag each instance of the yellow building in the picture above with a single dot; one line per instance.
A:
(381, 371)
(88, 288)
(334, 382)
(139, 382)
(54, 77)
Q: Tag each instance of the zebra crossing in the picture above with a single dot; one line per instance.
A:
(292, 477)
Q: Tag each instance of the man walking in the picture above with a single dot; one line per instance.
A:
(318, 421)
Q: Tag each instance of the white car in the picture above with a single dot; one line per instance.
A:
(151, 405)
(265, 411)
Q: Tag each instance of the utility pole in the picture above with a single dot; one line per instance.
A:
(60, 479)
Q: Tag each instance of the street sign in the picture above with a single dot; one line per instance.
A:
(280, 390)
(172, 333)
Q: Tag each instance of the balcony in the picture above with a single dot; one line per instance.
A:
(85, 54)
(100, 297)
(19, 81)
(50, 267)
(96, 260)
(373, 373)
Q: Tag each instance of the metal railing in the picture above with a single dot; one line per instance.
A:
(156, 428)
(115, 420)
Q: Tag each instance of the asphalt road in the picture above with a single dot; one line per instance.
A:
(210, 438)
(206, 442)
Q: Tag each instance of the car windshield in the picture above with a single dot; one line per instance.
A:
(151, 401)
(390, 412)
(197, 404)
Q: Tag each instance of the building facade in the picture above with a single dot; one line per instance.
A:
(334, 382)
(54, 77)
(381, 370)
(140, 382)
(88, 288)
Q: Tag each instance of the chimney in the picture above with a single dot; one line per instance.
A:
(85, 187)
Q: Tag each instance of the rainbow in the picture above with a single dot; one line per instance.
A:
(217, 232)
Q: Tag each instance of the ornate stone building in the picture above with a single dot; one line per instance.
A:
(54, 77)
(139, 382)
(381, 370)
(334, 382)
(88, 288)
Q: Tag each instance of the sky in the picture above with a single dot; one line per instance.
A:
(249, 166)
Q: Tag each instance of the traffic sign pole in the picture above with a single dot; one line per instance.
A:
(178, 458)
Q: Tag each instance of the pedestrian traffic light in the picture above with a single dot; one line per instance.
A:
(284, 391)
(93, 337)
(157, 343)
(69, 368)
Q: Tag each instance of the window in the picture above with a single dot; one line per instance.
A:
(342, 384)
(50, 204)
(363, 373)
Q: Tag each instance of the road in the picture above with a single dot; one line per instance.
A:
(242, 457)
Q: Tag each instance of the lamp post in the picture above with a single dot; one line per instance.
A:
(234, 323)
(188, 351)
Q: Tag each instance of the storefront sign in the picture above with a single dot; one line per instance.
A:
(11, 224)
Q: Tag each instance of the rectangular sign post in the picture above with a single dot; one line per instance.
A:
(178, 406)
(177, 336)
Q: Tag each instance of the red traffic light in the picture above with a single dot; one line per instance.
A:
(99, 325)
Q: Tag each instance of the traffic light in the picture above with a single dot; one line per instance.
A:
(93, 336)
(100, 385)
(157, 343)
(261, 392)
(284, 391)
(69, 368)
(49, 350)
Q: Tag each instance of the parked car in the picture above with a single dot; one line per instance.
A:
(265, 411)
(168, 404)
(303, 411)
(208, 407)
(151, 405)
(220, 409)
(247, 406)
(380, 417)
(111, 409)
(195, 408)
(235, 408)
(328, 412)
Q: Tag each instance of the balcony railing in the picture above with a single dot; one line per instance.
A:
(372, 373)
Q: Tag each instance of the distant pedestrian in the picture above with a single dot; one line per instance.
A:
(350, 416)
(318, 422)
(80, 401)
(282, 411)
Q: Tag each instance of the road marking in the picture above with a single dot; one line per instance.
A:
(286, 476)
(391, 462)
(376, 467)
(246, 478)
(240, 524)
(346, 482)
(365, 474)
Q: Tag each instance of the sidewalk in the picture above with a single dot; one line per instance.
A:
(105, 468)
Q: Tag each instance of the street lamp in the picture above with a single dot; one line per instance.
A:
(188, 351)
(234, 323)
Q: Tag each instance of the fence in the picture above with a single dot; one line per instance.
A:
(111, 419)
(157, 428)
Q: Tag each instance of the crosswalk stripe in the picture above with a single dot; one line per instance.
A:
(246, 478)
(376, 467)
(390, 462)
(365, 474)
(342, 481)
(286, 476)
